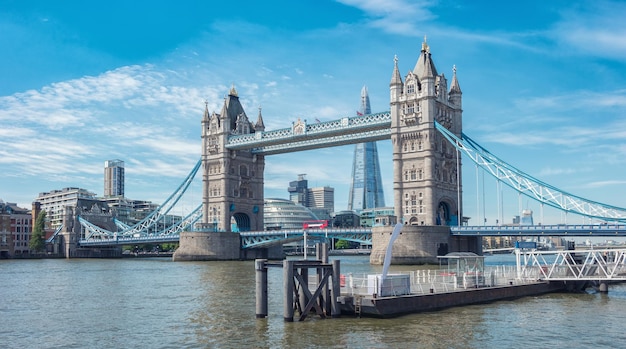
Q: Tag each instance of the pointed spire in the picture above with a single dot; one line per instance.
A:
(425, 47)
(454, 87)
(425, 66)
(206, 111)
(365, 102)
(396, 79)
(259, 122)
(232, 91)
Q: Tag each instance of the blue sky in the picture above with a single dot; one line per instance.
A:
(544, 87)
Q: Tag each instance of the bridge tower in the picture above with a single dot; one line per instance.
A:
(427, 188)
(232, 186)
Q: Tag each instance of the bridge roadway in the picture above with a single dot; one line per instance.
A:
(253, 239)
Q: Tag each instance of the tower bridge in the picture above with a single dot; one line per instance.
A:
(424, 124)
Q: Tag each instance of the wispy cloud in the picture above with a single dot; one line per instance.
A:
(594, 28)
(394, 16)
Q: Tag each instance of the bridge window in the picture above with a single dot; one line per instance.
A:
(405, 146)
(419, 145)
(413, 175)
(412, 146)
(420, 175)
(231, 170)
(244, 192)
(410, 110)
(236, 193)
(243, 170)
(421, 204)
(406, 175)
(410, 88)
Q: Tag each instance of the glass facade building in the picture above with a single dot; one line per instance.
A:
(281, 214)
(366, 190)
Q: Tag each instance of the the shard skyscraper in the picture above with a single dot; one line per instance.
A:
(366, 190)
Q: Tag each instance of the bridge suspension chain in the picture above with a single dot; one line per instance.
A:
(152, 219)
(529, 185)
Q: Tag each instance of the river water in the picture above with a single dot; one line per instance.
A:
(156, 303)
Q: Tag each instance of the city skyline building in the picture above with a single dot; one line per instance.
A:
(366, 189)
(55, 201)
(285, 214)
(113, 178)
(16, 227)
(320, 200)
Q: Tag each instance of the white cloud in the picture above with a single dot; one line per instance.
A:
(596, 28)
(394, 16)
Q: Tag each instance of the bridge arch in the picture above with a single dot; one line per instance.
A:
(446, 212)
(242, 220)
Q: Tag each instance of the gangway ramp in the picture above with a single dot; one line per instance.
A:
(572, 265)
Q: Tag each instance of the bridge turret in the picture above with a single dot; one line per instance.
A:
(395, 85)
(455, 94)
(260, 126)
(426, 71)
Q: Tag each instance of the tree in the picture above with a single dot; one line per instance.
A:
(341, 244)
(36, 240)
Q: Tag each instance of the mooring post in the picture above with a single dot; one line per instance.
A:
(261, 288)
(288, 289)
(336, 291)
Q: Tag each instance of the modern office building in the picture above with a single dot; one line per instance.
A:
(113, 178)
(321, 197)
(366, 190)
(377, 216)
(320, 200)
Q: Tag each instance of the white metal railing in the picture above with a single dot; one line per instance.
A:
(572, 265)
(435, 281)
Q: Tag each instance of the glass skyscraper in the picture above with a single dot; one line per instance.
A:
(366, 190)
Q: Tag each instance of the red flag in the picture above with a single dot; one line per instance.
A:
(359, 113)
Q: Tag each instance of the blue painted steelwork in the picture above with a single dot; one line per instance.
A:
(151, 220)
(102, 237)
(267, 238)
(120, 225)
(122, 240)
(528, 185)
(605, 230)
(253, 239)
(348, 130)
(56, 232)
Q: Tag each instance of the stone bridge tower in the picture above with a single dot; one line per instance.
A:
(232, 181)
(427, 170)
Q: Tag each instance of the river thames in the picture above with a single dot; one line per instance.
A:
(156, 303)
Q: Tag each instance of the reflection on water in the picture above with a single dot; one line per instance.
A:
(156, 303)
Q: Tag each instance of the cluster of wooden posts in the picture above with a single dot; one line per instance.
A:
(323, 299)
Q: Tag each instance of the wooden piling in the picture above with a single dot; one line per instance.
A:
(336, 290)
(288, 289)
